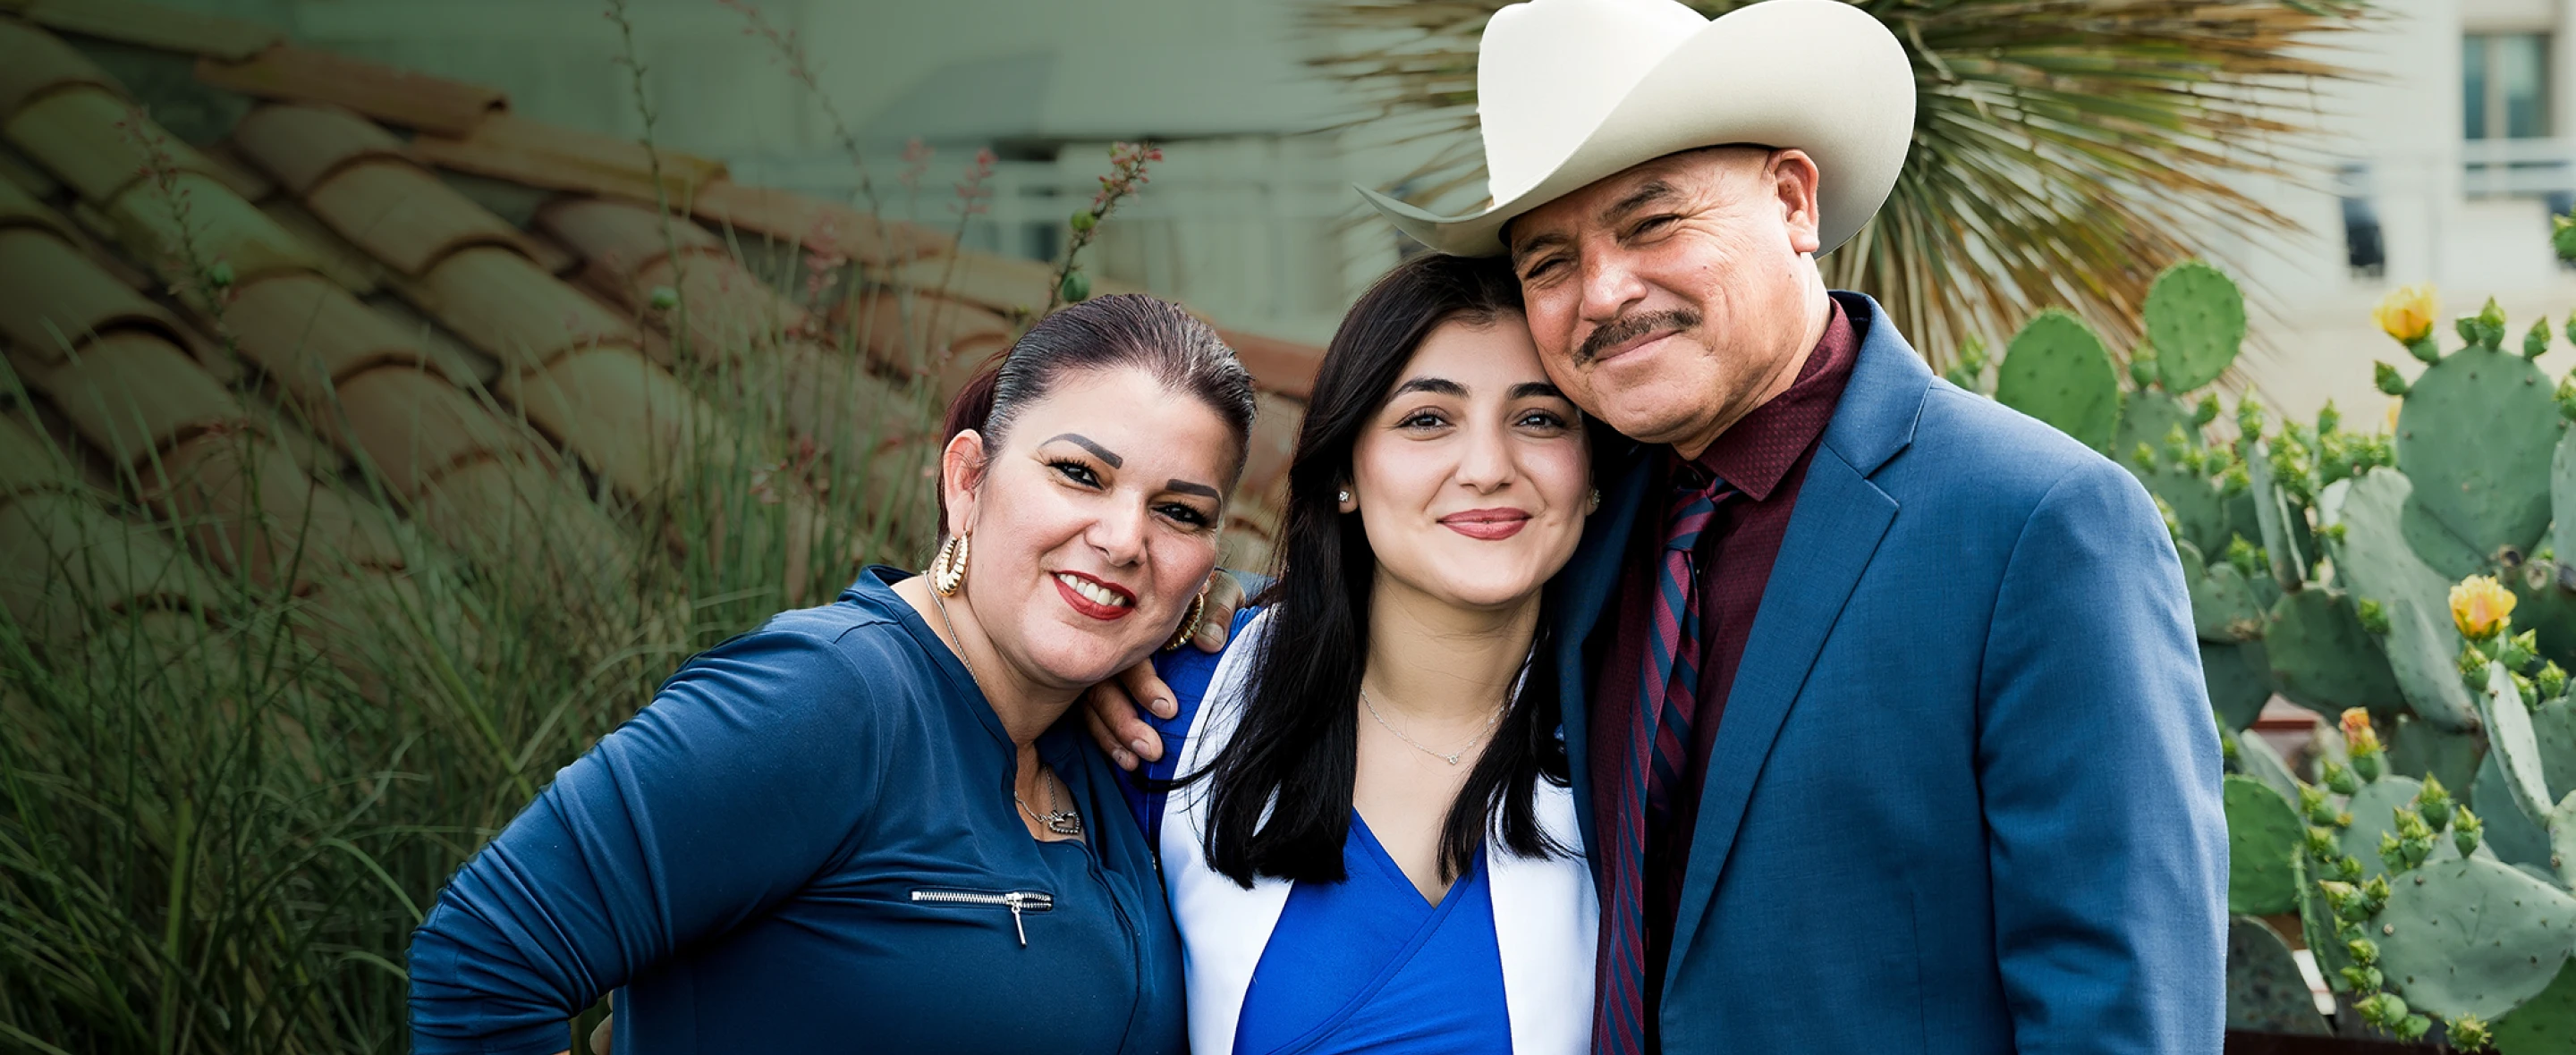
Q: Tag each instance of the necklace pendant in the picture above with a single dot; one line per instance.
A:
(1453, 759)
(1065, 823)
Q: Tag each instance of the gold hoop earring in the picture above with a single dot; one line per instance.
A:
(1189, 623)
(948, 569)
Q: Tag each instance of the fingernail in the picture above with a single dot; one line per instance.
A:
(1124, 760)
(1139, 745)
(1165, 708)
(1217, 637)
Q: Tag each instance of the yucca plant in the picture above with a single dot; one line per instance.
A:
(2065, 151)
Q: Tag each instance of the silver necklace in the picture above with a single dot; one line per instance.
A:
(1450, 757)
(1060, 821)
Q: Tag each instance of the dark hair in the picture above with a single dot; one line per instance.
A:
(1281, 805)
(1119, 330)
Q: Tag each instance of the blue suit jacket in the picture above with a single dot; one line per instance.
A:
(1965, 796)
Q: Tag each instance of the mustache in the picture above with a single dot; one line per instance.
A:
(1630, 327)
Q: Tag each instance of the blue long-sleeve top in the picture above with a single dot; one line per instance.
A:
(808, 842)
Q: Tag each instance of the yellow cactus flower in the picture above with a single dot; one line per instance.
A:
(2481, 607)
(2358, 736)
(2407, 313)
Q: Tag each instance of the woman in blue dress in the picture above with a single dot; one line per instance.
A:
(863, 827)
(1362, 806)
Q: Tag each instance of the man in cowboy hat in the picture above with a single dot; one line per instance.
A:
(1882, 699)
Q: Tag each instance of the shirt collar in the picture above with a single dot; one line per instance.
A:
(1756, 453)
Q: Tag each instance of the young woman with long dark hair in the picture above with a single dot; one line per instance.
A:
(1361, 806)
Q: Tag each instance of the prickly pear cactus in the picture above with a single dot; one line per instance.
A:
(2562, 489)
(2323, 659)
(2515, 838)
(2266, 992)
(2150, 421)
(2474, 937)
(2544, 1024)
(2514, 744)
(2056, 370)
(2195, 318)
(2374, 815)
(2239, 679)
(2477, 436)
(2262, 834)
(2366, 539)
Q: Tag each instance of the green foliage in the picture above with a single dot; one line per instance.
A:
(2477, 937)
(2056, 370)
(2262, 834)
(2195, 317)
(2477, 435)
(2323, 660)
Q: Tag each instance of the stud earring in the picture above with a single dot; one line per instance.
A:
(1595, 505)
(1189, 623)
(1342, 496)
(948, 569)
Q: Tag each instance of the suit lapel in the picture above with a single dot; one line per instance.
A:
(1584, 588)
(1833, 533)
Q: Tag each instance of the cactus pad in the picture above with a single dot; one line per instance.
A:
(2553, 731)
(2562, 496)
(2515, 838)
(2258, 761)
(2148, 418)
(2477, 435)
(2374, 812)
(2515, 744)
(2262, 832)
(2198, 508)
(2562, 840)
(2373, 559)
(2056, 370)
(2323, 660)
(2473, 937)
(2239, 679)
(2417, 748)
(2223, 608)
(2544, 1024)
(2265, 991)
(2195, 317)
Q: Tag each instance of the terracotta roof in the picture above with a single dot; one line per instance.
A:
(375, 319)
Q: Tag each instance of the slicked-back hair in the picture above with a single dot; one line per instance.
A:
(1120, 330)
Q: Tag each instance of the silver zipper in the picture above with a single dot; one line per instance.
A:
(1017, 901)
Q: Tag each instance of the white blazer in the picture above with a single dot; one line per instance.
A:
(1546, 915)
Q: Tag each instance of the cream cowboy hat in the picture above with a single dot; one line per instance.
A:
(1571, 91)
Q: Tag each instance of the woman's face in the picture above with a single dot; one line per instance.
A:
(1473, 479)
(1093, 525)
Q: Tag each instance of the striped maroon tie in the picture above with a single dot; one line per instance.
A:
(1659, 741)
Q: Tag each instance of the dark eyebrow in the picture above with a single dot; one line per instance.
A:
(1648, 193)
(1522, 252)
(1097, 451)
(1188, 488)
(1438, 386)
(1527, 389)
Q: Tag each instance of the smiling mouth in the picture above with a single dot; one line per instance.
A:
(1487, 524)
(1094, 598)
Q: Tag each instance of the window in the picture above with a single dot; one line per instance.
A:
(2504, 85)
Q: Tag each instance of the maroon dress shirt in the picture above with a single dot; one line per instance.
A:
(1765, 456)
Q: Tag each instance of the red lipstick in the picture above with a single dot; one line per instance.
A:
(1489, 525)
(1089, 607)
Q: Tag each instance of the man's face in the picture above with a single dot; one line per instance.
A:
(1671, 299)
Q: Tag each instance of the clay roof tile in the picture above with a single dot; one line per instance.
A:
(132, 394)
(1285, 367)
(620, 236)
(512, 310)
(404, 216)
(310, 334)
(40, 62)
(300, 144)
(803, 219)
(513, 148)
(88, 138)
(53, 299)
(248, 506)
(417, 426)
(68, 557)
(402, 98)
(154, 26)
(221, 230)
